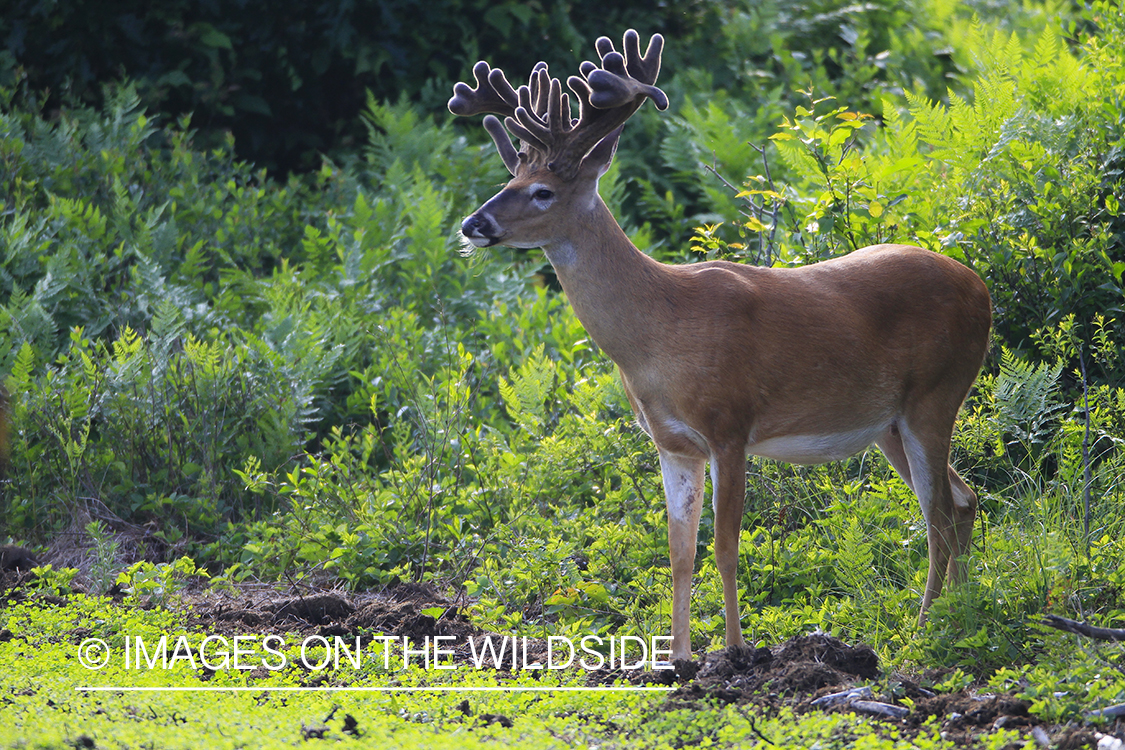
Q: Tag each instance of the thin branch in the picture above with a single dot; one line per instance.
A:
(1086, 474)
(1081, 628)
(714, 170)
(755, 730)
(776, 203)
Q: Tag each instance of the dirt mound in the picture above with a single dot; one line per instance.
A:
(801, 668)
(963, 711)
(404, 618)
(857, 661)
(316, 609)
(405, 610)
(820, 673)
(418, 593)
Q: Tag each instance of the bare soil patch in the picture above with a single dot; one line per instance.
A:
(804, 669)
(405, 610)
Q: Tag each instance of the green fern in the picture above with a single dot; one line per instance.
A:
(855, 558)
(1027, 398)
(934, 123)
(901, 133)
(528, 391)
(22, 368)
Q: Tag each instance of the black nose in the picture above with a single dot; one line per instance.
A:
(476, 226)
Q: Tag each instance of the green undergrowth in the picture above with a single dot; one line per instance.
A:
(48, 703)
(49, 708)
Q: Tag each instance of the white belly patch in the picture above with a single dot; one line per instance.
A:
(815, 449)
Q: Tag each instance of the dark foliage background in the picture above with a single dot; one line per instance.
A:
(287, 77)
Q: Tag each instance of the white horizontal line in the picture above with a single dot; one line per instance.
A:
(360, 689)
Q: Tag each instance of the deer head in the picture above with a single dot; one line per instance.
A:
(556, 169)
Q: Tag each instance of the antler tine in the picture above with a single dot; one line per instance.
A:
(543, 118)
(645, 68)
(539, 113)
(609, 95)
(552, 95)
(627, 78)
(492, 94)
(508, 153)
(540, 88)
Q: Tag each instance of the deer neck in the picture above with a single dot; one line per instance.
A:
(612, 286)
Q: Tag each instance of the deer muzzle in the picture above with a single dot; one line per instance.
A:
(479, 230)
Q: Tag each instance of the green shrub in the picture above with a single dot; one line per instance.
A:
(1018, 179)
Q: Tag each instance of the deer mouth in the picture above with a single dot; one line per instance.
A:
(481, 241)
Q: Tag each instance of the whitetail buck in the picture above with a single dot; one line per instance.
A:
(720, 360)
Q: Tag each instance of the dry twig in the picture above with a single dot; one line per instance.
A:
(1081, 628)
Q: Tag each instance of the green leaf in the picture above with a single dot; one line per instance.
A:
(977, 640)
(212, 37)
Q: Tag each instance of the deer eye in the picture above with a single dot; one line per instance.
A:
(543, 194)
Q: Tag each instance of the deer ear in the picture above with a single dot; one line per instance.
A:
(601, 155)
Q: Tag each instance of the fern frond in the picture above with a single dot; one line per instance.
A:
(1026, 397)
(1046, 48)
(901, 134)
(797, 158)
(934, 124)
(855, 556)
(527, 392)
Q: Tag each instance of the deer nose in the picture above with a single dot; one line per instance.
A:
(476, 226)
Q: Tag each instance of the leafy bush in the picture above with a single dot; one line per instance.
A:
(763, 60)
(1019, 181)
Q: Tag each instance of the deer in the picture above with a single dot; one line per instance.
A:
(722, 360)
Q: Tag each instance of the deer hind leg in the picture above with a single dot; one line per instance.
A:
(728, 484)
(965, 513)
(948, 504)
(683, 494)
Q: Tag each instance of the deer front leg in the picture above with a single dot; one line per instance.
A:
(683, 494)
(728, 484)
